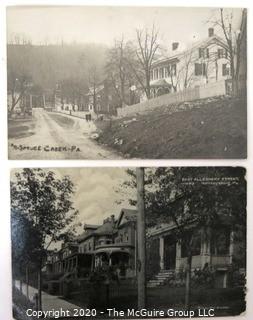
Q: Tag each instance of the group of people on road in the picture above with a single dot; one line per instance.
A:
(88, 117)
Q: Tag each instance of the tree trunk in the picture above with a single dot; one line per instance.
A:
(27, 281)
(39, 289)
(20, 285)
(141, 272)
(188, 282)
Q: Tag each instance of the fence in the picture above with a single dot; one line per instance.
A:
(189, 94)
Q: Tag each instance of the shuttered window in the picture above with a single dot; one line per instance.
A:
(200, 69)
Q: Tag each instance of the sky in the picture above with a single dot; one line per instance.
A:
(90, 24)
(96, 194)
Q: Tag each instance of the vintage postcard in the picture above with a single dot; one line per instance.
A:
(114, 82)
(111, 243)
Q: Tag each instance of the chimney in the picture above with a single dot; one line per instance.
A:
(175, 46)
(210, 32)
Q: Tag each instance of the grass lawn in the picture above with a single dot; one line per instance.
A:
(215, 129)
(230, 301)
(20, 305)
(20, 128)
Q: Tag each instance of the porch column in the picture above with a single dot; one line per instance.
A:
(225, 280)
(110, 260)
(92, 267)
(205, 247)
(231, 247)
(161, 252)
(178, 255)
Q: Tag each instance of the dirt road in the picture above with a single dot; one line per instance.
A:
(57, 136)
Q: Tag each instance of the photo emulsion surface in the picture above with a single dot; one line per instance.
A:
(128, 243)
(126, 82)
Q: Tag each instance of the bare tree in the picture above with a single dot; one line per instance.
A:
(118, 70)
(233, 42)
(93, 87)
(181, 76)
(146, 50)
(19, 76)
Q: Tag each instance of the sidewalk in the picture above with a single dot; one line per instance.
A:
(49, 302)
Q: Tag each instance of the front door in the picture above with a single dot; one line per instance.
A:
(169, 253)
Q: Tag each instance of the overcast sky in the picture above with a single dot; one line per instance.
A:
(96, 193)
(44, 24)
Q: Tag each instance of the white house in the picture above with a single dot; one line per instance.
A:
(203, 62)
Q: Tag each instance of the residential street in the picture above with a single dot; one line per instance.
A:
(58, 136)
(49, 302)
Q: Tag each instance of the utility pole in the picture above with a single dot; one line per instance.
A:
(141, 239)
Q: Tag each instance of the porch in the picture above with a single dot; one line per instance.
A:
(212, 250)
(120, 257)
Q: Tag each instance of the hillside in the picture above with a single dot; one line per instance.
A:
(212, 128)
(49, 64)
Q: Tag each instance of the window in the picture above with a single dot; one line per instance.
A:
(151, 75)
(201, 53)
(169, 70)
(220, 242)
(200, 69)
(155, 74)
(173, 69)
(225, 69)
(207, 53)
(222, 53)
(161, 73)
(196, 246)
(166, 72)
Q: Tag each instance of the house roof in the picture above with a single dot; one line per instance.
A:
(128, 215)
(106, 228)
(198, 44)
(109, 225)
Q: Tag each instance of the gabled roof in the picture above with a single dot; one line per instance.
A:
(106, 229)
(198, 44)
(128, 215)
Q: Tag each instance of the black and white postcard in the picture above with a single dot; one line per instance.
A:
(117, 243)
(121, 82)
